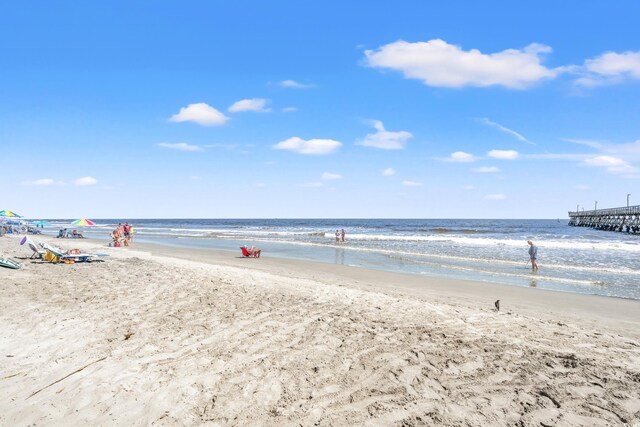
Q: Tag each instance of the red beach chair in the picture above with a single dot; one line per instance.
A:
(246, 252)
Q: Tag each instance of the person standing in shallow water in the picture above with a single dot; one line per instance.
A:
(342, 234)
(533, 255)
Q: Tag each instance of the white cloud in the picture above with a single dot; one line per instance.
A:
(610, 68)
(503, 154)
(614, 165)
(506, 130)
(468, 187)
(411, 184)
(312, 184)
(498, 196)
(384, 139)
(389, 172)
(487, 169)
(180, 146)
(292, 84)
(200, 113)
(312, 146)
(438, 63)
(87, 180)
(327, 176)
(461, 157)
(289, 109)
(255, 104)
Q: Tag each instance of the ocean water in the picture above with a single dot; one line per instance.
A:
(571, 259)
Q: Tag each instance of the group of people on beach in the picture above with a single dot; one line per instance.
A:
(122, 235)
(340, 235)
(65, 233)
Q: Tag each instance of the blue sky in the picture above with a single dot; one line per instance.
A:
(407, 109)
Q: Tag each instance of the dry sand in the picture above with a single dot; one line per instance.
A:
(207, 338)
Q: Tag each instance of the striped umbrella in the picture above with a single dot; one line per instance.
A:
(9, 213)
(83, 222)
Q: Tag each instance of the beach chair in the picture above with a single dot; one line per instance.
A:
(37, 252)
(246, 252)
(54, 254)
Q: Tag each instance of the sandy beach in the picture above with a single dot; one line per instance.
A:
(162, 336)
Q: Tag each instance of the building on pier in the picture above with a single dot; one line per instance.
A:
(615, 219)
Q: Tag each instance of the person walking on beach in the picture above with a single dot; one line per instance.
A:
(533, 255)
(342, 234)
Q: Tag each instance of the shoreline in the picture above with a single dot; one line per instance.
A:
(166, 336)
(479, 293)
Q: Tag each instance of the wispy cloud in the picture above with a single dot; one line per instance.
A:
(200, 113)
(506, 130)
(292, 84)
(180, 146)
(613, 165)
(312, 146)
(411, 184)
(384, 139)
(438, 63)
(228, 147)
(257, 105)
(84, 181)
(389, 172)
(503, 154)
(627, 151)
(44, 182)
(312, 184)
(586, 142)
(487, 169)
(328, 176)
(289, 109)
(582, 187)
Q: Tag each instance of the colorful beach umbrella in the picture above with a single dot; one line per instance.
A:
(9, 213)
(83, 222)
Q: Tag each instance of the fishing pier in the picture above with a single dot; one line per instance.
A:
(615, 219)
